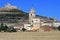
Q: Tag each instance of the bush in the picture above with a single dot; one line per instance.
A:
(11, 29)
(14, 30)
(58, 28)
(23, 29)
(0, 29)
(5, 28)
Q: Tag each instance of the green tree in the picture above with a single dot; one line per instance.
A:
(1, 27)
(5, 28)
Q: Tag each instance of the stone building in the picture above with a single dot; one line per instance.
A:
(33, 20)
(36, 23)
(31, 15)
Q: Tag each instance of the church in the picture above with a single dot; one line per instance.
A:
(33, 21)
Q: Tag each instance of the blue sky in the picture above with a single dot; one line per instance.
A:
(49, 8)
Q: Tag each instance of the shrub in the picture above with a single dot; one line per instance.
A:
(58, 28)
(23, 29)
(5, 28)
(11, 29)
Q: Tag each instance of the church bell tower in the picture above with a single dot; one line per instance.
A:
(31, 15)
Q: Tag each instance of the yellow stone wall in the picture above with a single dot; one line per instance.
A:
(36, 26)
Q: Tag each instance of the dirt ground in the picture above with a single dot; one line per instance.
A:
(30, 36)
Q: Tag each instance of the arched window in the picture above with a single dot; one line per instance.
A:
(32, 21)
(31, 14)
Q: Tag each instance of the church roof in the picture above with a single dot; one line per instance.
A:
(32, 10)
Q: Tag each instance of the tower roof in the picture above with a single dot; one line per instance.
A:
(32, 10)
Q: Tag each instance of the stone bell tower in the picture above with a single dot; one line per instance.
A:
(31, 15)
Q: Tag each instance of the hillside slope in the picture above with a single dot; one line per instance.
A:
(15, 15)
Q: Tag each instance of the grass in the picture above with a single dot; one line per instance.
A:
(30, 36)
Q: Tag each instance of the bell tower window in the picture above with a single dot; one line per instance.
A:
(31, 14)
(32, 21)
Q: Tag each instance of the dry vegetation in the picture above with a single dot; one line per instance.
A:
(30, 36)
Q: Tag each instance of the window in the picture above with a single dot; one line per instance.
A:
(31, 14)
(36, 20)
(32, 21)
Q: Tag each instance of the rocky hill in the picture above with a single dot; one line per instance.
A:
(15, 15)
